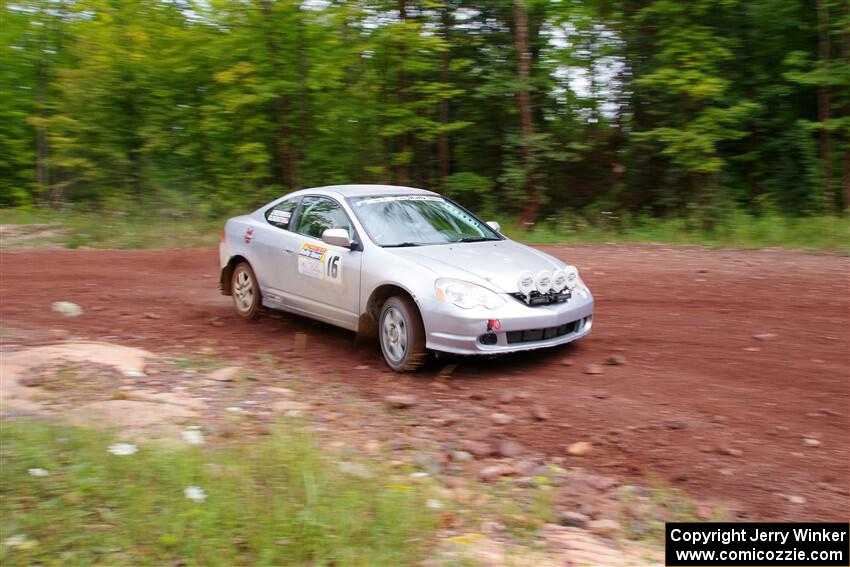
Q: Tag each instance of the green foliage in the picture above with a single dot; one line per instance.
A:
(735, 228)
(651, 106)
(276, 502)
(693, 113)
(472, 190)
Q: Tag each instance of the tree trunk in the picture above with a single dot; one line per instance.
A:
(49, 179)
(42, 149)
(386, 143)
(286, 171)
(286, 152)
(302, 80)
(401, 141)
(845, 58)
(443, 152)
(422, 171)
(136, 172)
(51, 41)
(752, 177)
(824, 106)
(526, 126)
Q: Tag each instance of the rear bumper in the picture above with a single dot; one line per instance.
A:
(452, 329)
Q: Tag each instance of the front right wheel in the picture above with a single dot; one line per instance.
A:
(402, 334)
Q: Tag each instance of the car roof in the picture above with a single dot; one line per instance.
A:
(362, 190)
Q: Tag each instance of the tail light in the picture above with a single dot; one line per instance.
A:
(222, 234)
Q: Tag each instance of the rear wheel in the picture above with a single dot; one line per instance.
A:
(402, 334)
(246, 292)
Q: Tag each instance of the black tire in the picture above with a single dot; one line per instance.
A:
(246, 291)
(402, 334)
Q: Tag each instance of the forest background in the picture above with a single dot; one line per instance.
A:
(698, 121)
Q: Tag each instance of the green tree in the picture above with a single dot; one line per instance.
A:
(830, 74)
(690, 111)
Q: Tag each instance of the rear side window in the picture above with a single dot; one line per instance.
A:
(318, 214)
(281, 214)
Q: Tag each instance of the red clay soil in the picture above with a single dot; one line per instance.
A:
(732, 359)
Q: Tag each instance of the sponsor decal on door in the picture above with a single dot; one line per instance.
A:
(318, 262)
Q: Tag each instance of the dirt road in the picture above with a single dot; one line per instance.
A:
(734, 385)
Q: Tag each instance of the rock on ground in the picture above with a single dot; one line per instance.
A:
(495, 471)
(228, 374)
(579, 448)
(501, 418)
(604, 527)
(400, 401)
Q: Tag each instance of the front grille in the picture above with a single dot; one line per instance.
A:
(536, 298)
(531, 335)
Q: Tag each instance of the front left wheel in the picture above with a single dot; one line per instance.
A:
(246, 291)
(402, 334)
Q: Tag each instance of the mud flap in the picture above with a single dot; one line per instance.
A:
(367, 330)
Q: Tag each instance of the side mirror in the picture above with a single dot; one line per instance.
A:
(336, 237)
(495, 226)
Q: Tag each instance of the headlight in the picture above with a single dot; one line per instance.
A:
(571, 274)
(466, 295)
(525, 283)
(543, 281)
(559, 281)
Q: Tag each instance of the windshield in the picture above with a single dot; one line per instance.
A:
(418, 220)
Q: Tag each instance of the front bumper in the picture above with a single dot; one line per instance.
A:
(449, 328)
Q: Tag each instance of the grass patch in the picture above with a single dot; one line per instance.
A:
(186, 229)
(115, 229)
(200, 362)
(658, 504)
(737, 229)
(276, 502)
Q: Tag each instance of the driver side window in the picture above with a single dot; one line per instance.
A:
(318, 214)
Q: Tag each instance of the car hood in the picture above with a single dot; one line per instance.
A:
(495, 265)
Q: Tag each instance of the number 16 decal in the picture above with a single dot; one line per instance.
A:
(333, 271)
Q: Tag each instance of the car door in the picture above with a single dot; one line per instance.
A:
(326, 279)
(268, 239)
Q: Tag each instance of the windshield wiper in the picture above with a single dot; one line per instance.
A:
(474, 239)
(402, 245)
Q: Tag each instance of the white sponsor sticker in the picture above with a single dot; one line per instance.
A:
(400, 198)
(316, 261)
(280, 216)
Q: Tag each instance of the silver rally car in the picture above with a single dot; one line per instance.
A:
(408, 265)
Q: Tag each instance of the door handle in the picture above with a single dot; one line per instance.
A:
(288, 251)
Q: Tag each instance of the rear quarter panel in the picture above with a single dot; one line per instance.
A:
(238, 232)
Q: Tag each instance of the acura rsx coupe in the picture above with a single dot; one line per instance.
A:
(408, 265)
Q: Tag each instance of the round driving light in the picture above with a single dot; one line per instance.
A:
(525, 283)
(572, 276)
(488, 339)
(543, 281)
(559, 281)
